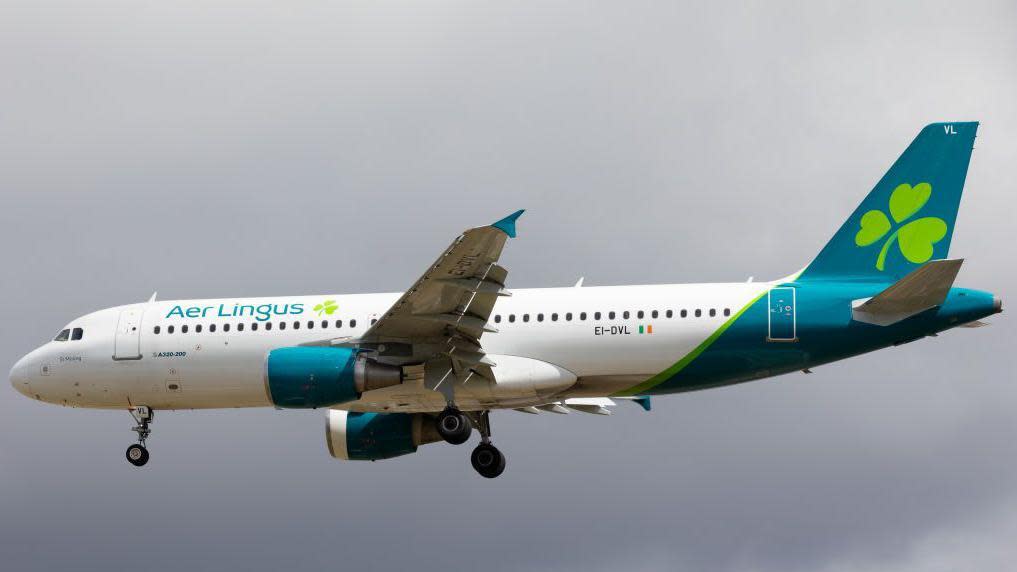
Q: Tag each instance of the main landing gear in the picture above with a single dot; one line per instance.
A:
(137, 454)
(455, 427)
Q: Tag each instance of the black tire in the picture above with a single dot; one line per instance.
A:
(453, 426)
(137, 455)
(488, 460)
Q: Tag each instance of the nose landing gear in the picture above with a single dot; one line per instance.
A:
(137, 454)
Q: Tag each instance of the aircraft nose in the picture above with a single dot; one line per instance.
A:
(997, 304)
(20, 378)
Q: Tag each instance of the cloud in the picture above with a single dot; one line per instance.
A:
(201, 149)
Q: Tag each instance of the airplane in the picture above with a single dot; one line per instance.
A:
(396, 371)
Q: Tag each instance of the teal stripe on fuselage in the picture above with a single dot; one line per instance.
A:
(825, 333)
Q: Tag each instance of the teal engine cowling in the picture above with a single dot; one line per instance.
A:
(355, 436)
(311, 377)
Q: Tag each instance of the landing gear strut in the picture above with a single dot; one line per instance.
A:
(137, 454)
(453, 425)
(486, 458)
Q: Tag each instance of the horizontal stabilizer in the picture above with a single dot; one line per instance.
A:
(975, 324)
(921, 290)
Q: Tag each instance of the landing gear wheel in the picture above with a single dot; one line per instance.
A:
(488, 460)
(137, 455)
(453, 426)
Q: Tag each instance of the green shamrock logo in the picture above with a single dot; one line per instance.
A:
(327, 307)
(916, 238)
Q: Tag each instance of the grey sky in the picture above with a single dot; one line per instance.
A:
(210, 149)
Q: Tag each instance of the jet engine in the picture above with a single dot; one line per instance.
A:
(311, 377)
(373, 436)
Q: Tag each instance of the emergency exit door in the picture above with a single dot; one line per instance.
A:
(127, 340)
(782, 322)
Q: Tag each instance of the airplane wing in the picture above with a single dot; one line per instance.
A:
(446, 310)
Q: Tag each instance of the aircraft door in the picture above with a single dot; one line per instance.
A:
(127, 339)
(782, 317)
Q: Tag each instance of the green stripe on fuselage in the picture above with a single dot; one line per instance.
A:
(682, 363)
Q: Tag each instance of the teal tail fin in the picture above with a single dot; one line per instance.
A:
(909, 216)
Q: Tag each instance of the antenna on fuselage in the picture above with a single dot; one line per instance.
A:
(154, 294)
(579, 283)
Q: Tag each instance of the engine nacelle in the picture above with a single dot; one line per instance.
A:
(311, 377)
(374, 436)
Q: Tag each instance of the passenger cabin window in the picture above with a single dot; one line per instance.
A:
(211, 327)
(62, 336)
(254, 326)
(183, 329)
(156, 330)
(727, 311)
(582, 316)
(596, 315)
(169, 330)
(225, 327)
(669, 313)
(625, 314)
(497, 318)
(282, 325)
(353, 323)
(77, 333)
(540, 317)
(554, 317)
(640, 314)
(610, 315)
(685, 313)
(512, 317)
(698, 312)
(296, 325)
(526, 317)
(240, 327)
(197, 328)
(338, 323)
(374, 321)
(310, 325)
(568, 316)
(268, 325)
(713, 312)
(324, 323)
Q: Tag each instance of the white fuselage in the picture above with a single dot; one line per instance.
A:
(600, 339)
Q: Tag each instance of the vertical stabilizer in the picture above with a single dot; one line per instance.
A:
(908, 218)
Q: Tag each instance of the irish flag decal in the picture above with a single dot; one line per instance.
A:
(648, 329)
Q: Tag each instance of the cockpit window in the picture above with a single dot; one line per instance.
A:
(62, 336)
(77, 333)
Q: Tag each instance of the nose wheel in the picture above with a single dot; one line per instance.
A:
(137, 454)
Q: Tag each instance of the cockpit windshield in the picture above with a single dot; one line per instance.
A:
(62, 336)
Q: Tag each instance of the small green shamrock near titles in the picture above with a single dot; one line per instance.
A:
(916, 238)
(327, 307)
